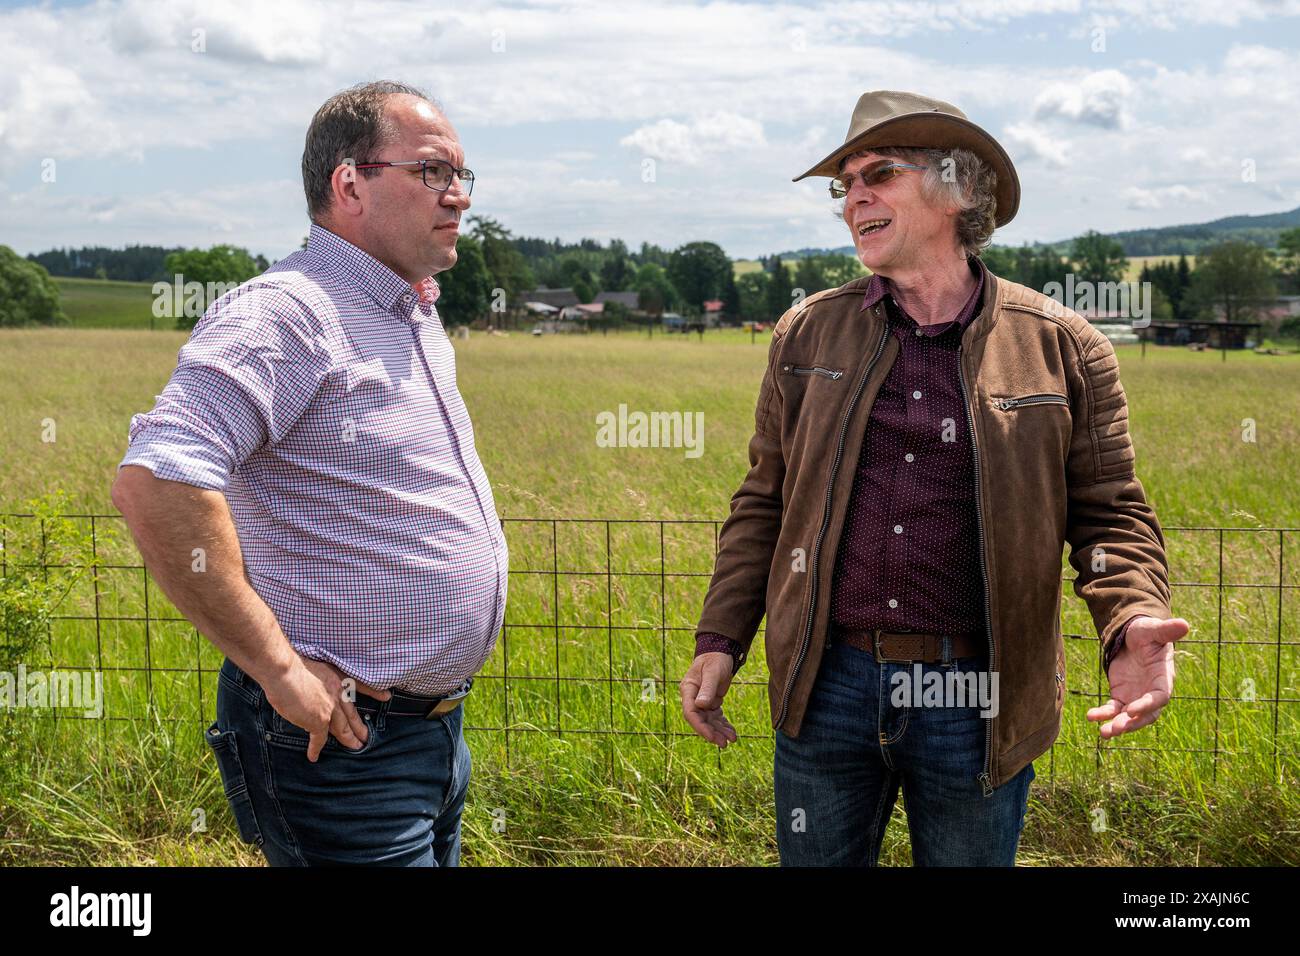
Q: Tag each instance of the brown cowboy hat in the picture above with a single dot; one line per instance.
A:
(893, 118)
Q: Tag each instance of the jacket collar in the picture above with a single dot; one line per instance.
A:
(878, 287)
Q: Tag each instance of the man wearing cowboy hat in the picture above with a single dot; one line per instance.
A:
(927, 440)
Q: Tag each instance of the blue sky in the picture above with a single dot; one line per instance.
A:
(1119, 114)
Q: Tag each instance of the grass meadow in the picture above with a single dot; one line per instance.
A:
(109, 304)
(580, 753)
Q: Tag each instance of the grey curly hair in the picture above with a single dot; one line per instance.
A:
(955, 176)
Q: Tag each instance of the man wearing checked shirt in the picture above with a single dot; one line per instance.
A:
(307, 492)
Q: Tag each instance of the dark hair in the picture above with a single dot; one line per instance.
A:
(353, 125)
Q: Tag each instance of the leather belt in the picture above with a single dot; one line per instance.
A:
(402, 704)
(905, 646)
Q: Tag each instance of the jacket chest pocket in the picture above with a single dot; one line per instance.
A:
(834, 374)
(1029, 424)
(1013, 402)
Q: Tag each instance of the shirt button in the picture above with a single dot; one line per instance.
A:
(893, 602)
(916, 394)
(909, 457)
(919, 332)
(898, 529)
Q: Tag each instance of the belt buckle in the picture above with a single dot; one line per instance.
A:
(875, 647)
(439, 707)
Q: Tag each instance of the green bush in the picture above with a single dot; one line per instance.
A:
(28, 296)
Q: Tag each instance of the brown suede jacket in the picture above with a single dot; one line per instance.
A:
(1053, 464)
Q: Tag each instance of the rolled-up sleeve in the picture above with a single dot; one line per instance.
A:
(249, 371)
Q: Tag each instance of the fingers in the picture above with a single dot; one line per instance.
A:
(1166, 632)
(1174, 629)
(1122, 719)
(689, 688)
(708, 722)
(1125, 724)
(715, 728)
(315, 743)
(702, 690)
(701, 726)
(345, 726)
(722, 726)
(704, 697)
(360, 729)
(1106, 711)
(1152, 699)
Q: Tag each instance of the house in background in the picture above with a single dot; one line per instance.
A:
(712, 313)
(583, 312)
(626, 299)
(1212, 334)
(560, 298)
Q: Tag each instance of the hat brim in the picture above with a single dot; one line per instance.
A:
(934, 130)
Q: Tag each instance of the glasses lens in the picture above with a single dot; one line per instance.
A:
(437, 174)
(838, 189)
(879, 173)
(467, 181)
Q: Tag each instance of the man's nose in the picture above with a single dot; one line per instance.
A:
(455, 195)
(860, 191)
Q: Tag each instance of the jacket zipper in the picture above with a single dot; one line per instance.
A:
(985, 778)
(1043, 399)
(814, 370)
(826, 518)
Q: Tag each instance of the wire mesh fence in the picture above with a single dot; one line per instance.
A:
(600, 628)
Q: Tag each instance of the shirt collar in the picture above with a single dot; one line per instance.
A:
(879, 286)
(410, 302)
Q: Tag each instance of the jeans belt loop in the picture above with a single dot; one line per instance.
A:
(947, 649)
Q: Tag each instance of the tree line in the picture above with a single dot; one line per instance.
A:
(496, 271)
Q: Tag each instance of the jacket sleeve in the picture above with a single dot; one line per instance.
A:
(737, 595)
(1116, 545)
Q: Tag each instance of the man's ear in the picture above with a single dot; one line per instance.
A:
(343, 185)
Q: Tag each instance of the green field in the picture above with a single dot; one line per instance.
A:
(601, 767)
(107, 304)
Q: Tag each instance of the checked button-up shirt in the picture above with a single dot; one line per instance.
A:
(321, 398)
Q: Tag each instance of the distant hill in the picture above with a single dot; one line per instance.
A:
(1174, 240)
(1166, 240)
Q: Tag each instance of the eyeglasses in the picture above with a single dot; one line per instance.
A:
(872, 175)
(435, 172)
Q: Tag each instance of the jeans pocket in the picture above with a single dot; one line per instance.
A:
(283, 733)
(226, 751)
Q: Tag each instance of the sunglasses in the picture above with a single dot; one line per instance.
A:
(871, 175)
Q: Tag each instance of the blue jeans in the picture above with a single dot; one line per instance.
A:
(836, 783)
(395, 802)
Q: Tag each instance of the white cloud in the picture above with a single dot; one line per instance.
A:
(1168, 14)
(1136, 197)
(1098, 99)
(1035, 143)
(701, 139)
